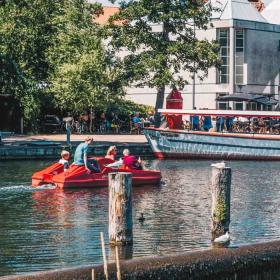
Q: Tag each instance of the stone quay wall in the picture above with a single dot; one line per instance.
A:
(250, 262)
(43, 151)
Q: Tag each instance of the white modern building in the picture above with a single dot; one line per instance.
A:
(250, 51)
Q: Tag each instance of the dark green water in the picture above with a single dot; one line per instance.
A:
(44, 228)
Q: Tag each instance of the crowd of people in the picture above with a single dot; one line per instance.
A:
(111, 123)
(233, 124)
(127, 161)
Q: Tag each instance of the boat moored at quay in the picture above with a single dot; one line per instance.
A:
(176, 143)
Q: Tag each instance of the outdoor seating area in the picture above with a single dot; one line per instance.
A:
(103, 123)
(234, 125)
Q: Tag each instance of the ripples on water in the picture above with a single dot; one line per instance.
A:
(45, 228)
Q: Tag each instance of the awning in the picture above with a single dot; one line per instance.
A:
(225, 113)
(239, 97)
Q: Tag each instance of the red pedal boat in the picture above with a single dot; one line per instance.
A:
(77, 176)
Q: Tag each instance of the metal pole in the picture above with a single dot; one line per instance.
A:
(231, 60)
(21, 125)
(193, 89)
(68, 133)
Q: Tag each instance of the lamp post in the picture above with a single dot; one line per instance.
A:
(68, 121)
(193, 88)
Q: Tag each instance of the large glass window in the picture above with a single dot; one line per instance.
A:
(239, 56)
(223, 71)
(253, 106)
(222, 105)
(238, 106)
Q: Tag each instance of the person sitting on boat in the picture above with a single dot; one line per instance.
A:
(229, 123)
(220, 122)
(80, 157)
(65, 155)
(207, 123)
(111, 153)
(131, 161)
(194, 121)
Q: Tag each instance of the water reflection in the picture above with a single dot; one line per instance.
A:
(48, 228)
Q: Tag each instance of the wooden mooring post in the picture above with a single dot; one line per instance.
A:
(120, 208)
(220, 189)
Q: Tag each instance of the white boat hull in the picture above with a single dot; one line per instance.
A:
(212, 145)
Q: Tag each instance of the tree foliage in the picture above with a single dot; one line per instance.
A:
(51, 50)
(26, 32)
(87, 75)
(160, 42)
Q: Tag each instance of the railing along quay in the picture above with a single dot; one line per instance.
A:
(52, 150)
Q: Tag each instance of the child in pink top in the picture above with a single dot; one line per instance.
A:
(131, 161)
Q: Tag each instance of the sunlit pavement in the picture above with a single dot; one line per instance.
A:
(117, 138)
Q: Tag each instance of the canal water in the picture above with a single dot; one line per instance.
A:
(46, 228)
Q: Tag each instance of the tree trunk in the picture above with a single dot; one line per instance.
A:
(91, 120)
(220, 188)
(120, 208)
(164, 65)
(159, 105)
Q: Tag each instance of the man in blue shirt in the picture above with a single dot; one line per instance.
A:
(194, 121)
(80, 157)
(136, 118)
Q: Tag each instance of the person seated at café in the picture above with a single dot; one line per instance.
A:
(136, 118)
(137, 123)
(151, 118)
(103, 123)
(131, 161)
(111, 153)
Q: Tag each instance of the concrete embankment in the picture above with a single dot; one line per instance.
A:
(50, 146)
(257, 261)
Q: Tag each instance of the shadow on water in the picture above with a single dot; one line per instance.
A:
(48, 228)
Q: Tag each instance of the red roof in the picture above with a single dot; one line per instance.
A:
(107, 13)
(110, 11)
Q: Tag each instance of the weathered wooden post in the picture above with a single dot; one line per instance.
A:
(120, 208)
(220, 188)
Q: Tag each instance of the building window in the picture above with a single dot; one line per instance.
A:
(253, 106)
(238, 106)
(222, 105)
(223, 71)
(239, 56)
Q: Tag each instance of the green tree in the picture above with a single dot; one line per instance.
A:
(26, 33)
(160, 42)
(87, 75)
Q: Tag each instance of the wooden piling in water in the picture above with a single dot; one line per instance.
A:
(220, 189)
(120, 208)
